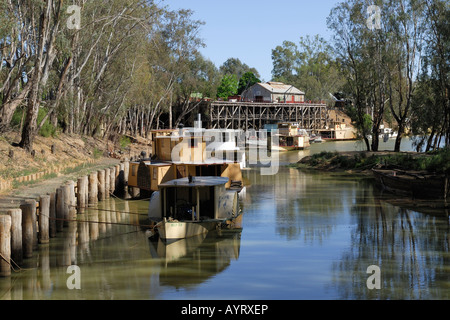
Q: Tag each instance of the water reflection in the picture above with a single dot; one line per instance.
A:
(189, 262)
(336, 226)
(411, 248)
(306, 235)
(116, 259)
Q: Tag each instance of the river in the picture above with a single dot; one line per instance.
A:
(305, 235)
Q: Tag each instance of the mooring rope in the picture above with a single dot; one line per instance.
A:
(15, 263)
(116, 211)
(127, 200)
(100, 222)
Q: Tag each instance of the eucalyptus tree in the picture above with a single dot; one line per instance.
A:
(379, 60)
(17, 25)
(47, 28)
(285, 59)
(309, 65)
(406, 25)
(346, 20)
(317, 70)
(199, 82)
(237, 67)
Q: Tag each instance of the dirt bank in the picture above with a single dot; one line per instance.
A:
(61, 158)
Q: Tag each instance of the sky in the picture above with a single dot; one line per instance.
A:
(251, 29)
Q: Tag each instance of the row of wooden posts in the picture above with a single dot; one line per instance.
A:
(37, 221)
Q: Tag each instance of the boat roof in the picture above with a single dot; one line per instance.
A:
(206, 162)
(196, 182)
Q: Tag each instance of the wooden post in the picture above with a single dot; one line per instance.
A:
(93, 189)
(52, 215)
(67, 204)
(126, 169)
(134, 192)
(59, 209)
(81, 193)
(117, 179)
(16, 235)
(44, 214)
(86, 190)
(5, 246)
(28, 210)
(107, 182)
(72, 196)
(112, 180)
(101, 185)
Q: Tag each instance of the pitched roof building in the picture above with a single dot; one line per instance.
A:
(273, 92)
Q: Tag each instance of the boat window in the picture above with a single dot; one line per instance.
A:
(193, 142)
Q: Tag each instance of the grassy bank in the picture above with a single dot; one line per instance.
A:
(361, 161)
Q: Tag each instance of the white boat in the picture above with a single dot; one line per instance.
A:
(291, 137)
(318, 139)
(192, 206)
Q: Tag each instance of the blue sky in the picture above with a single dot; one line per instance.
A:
(250, 29)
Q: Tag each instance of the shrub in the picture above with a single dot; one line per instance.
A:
(47, 128)
(124, 142)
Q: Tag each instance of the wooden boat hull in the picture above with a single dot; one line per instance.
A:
(175, 230)
(411, 185)
(285, 148)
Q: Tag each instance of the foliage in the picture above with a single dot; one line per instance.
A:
(129, 63)
(381, 65)
(434, 162)
(236, 67)
(310, 66)
(124, 142)
(47, 129)
(228, 86)
(247, 80)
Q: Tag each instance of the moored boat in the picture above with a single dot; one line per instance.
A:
(291, 137)
(188, 207)
(189, 152)
(415, 184)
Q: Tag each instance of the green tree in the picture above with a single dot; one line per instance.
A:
(430, 104)
(367, 59)
(247, 80)
(309, 66)
(317, 70)
(237, 67)
(228, 86)
(285, 59)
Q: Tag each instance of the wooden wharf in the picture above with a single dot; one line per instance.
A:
(254, 115)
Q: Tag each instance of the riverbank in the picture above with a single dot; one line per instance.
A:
(55, 161)
(360, 163)
(364, 161)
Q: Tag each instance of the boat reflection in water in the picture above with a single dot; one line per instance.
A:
(193, 260)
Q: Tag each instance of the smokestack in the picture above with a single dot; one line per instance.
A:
(198, 123)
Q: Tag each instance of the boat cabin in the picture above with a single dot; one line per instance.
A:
(291, 137)
(195, 152)
(193, 199)
(148, 175)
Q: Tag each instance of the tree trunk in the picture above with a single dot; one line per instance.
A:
(398, 139)
(30, 126)
(42, 65)
(8, 109)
